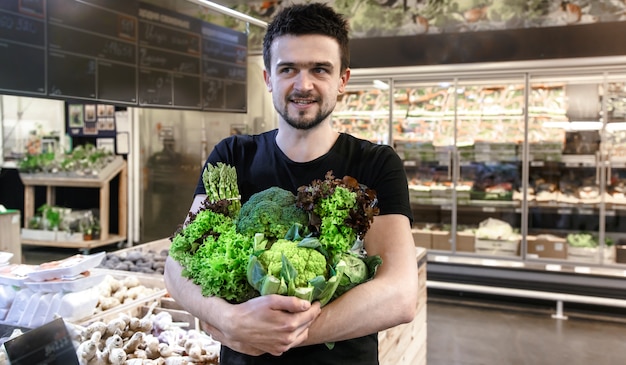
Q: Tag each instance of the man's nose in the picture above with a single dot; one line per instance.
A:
(304, 81)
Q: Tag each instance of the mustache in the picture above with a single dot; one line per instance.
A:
(300, 95)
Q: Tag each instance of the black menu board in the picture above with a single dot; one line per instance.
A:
(169, 58)
(120, 52)
(92, 50)
(23, 42)
(224, 69)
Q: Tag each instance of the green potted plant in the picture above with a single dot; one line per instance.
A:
(90, 227)
(45, 225)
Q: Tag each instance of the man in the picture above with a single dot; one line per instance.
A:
(306, 57)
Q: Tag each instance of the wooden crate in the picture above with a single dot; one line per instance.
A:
(406, 344)
(10, 240)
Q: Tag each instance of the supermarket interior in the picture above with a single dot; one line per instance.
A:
(509, 118)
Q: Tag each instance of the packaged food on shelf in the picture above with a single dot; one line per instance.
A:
(82, 281)
(496, 237)
(28, 303)
(422, 237)
(65, 268)
(547, 246)
(584, 247)
(441, 240)
(15, 274)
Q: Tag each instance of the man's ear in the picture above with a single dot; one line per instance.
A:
(344, 81)
(268, 81)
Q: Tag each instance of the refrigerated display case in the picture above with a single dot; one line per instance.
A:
(520, 167)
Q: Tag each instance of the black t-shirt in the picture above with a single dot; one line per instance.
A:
(261, 164)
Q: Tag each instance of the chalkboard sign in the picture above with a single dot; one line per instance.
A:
(92, 51)
(224, 69)
(22, 42)
(169, 58)
(120, 52)
(49, 344)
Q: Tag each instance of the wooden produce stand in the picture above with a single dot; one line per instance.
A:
(102, 182)
(406, 344)
(10, 234)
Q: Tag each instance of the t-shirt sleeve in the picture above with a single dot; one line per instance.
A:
(391, 185)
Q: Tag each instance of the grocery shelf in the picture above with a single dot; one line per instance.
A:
(117, 167)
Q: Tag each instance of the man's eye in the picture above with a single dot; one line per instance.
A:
(286, 70)
(320, 70)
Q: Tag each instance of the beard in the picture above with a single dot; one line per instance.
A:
(300, 120)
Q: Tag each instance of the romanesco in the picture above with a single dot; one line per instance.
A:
(307, 262)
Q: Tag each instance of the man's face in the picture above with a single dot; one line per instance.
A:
(304, 79)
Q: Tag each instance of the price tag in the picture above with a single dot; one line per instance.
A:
(585, 211)
(537, 163)
(489, 209)
(49, 344)
(564, 211)
(609, 213)
(442, 259)
(553, 267)
(582, 269)
(446, 207)
(410, 163)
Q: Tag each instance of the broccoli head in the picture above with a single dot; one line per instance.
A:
(271, 212)
(307, 262)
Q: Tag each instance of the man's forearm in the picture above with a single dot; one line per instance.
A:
(186, 294)
(388, 300)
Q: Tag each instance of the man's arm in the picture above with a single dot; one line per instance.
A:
(270, 324)
(387, 300)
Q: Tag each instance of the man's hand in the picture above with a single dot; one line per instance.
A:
(267, 324)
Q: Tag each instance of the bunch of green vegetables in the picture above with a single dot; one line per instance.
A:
(586, 240)
(276, 242)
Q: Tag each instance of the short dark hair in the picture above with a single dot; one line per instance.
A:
(304, 19)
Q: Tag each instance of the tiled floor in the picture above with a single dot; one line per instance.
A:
(471, 333)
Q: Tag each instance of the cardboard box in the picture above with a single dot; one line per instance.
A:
(620, 254)
(422, 238)
(441, 240)
(497, 247)
(547, 247)
(465, 241)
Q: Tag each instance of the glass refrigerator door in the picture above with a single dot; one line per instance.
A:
(363, 110)
(424, 139)
(490, 133)
(614, 157)
(565, 189)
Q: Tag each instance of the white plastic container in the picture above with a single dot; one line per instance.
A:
(78, 305)
(15, 274)
(7, 295)
(19, 306)
(39, 316)
(78, 283)
(29, 311)
(66, 268)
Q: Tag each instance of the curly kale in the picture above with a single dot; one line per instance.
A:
(342, 210)
(214, 256)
